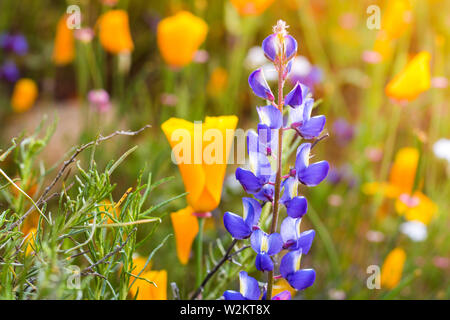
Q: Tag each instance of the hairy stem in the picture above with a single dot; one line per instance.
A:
(273, 228)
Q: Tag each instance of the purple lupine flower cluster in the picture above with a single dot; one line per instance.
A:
(263, 183)
(15, 44)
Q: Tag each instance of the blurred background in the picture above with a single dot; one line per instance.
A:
(127, 64)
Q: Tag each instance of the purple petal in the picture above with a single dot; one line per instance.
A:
(297, 207)
(236, 226)
(248, 180)
(266, 193)
(249, 287)
(312, 128)
(275, 244)
(302, 158)
(270, 116)
(295, 97)
(307, 109)
(305, 241)
(290, 263)
(284, 295)
(290, 189)
(314, 173)
(233, 295)
(260, 165)
(270, 48)
(252, 211)
(302, 279)
(263, 262)
(259, 85)
(256, 240)
(290, 229)
(290, 45)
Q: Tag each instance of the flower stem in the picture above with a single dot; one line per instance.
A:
(199, 252)
(278, 175)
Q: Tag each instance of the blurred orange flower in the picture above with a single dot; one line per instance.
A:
(202, 179)
(29, 240)
(114, 32)
(64, 47)
(24, 95)
(185, 226)
(412, 80)
(179, 37)
(417, 207)
(392, 269)
(218, 81)
(251, 7)
(413, 206)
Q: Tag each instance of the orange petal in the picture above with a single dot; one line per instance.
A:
(403, 171)
(251, 7)
(180, 134)
(148, 291)
(114, 32)
(412, 80)
(185, 225)
(64, 48)
(215, 130)
(24, 95)
(179, 37)
(392, 269)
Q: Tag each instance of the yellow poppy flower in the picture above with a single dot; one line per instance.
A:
(148, 291)
(416, 207)
(412, 80)
(114, 32)
(392, 269)
(401, 176)
(282, 285)
(24, 95)
(64, 47)
(251, 7)
(397, 18)
(201, 156)
(403, 172)
(138, 264)
(185, 226)
(179, 38)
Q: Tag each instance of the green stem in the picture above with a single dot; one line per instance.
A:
(199, 252)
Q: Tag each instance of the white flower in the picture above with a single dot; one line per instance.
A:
(301, 66)
(441, 149)
(255, 58)
(415, 230)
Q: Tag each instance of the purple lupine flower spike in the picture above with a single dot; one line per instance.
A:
(299, 279)
(309, 174)
(249, 289)
(293, 239)
(242, 228)
(259, 85)
(265, 246)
